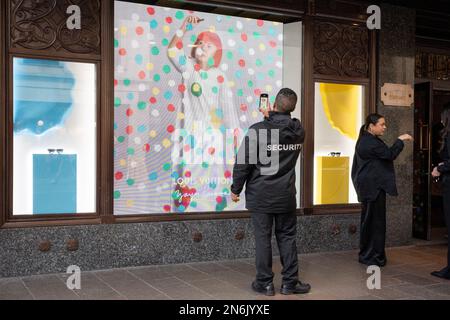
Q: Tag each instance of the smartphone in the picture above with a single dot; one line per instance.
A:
(264, 101)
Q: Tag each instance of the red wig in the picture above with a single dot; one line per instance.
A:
(213, 38)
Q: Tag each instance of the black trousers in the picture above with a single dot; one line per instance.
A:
(286, 234)
(373, 231)
(446, 207)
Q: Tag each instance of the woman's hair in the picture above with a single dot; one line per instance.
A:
(212, 37)
(372, 118)
(445, 118)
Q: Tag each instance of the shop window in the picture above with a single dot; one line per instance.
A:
(338, 119)
(54, 137)
(184, 99)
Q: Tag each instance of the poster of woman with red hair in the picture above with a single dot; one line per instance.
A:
(210, 122)
(187, 86)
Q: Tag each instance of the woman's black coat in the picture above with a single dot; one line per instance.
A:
(444, 168)
(373, 167)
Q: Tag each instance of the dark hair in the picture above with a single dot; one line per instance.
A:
(286, 100)
(372, 118)
(445, 118)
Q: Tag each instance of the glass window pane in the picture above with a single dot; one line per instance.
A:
(338, 119)
(184, 98)
(54, 137)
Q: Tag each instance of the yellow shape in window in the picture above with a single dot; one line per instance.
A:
(341, 103)
(332, 181)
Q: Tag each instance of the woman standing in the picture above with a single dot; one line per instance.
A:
(443, 171)
(373, 176)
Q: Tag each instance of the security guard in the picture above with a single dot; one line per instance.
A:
(266, 165)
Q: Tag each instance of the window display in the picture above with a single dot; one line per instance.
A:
(187, 87)
(54, 137)
(338, 119)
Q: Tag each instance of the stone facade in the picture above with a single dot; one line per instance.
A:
(396, 64)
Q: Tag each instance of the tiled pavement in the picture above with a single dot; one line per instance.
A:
(335, 275)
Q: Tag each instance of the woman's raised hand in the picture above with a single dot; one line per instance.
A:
(191, 20)
(406, 137)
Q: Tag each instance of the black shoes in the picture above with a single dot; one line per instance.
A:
(299, 288)
(266, 290)
(444, 273)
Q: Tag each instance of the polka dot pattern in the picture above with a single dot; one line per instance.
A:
(152, 99)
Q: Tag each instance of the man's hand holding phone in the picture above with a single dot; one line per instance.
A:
(264, 105)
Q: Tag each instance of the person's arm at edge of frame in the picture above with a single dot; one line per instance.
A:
(444, 167)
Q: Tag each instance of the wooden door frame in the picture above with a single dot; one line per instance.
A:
(309, 80)
(429, 180)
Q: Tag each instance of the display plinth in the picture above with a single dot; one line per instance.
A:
(332, 183)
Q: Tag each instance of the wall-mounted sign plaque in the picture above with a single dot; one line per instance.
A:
(398, 95)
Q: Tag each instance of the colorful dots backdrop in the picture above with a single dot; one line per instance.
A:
(169, 106)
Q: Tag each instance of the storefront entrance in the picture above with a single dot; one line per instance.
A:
(428, 219)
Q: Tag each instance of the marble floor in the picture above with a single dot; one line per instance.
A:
(334, 275)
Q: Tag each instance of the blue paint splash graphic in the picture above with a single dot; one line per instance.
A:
(42, 95)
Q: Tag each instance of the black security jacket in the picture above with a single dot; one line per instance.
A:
(445, 157)
(273, 192)
(373, 167)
